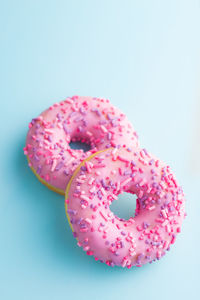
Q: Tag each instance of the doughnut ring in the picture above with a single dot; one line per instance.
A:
(89, 120)
(160, 206)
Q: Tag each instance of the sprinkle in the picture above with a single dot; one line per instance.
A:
(109, 135)
(123, 159)
(53, 165)
(59, 166)
(39, 169)
(151, 207)
(88, 166)
(103, 129)
(89, 133)
(103, 216)
(91, 180)
(49, 131)
(68, 100)
(89, 252)
(66, 172)
(126, 181)
(83, 197)
(87, 220)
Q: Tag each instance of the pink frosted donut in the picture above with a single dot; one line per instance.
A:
(159, 212)
(91, 120)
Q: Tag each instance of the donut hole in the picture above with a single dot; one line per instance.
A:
(124, 207)
(80, 144)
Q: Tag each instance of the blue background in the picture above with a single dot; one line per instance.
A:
(144, 57)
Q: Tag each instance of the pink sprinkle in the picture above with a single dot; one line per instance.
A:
(142, 154)
(90, 253)
(99, 166)
(103, 129)
(139, 228)
(117, 225)
(103, 216)
(120, 171)
(59, 126)
(123, 159)
(88, 166)
(126, 181)
(173, 239)
(70, 101)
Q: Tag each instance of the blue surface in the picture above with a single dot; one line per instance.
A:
(144, 56)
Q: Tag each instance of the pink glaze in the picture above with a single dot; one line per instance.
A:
(91, 120)
(159, 212)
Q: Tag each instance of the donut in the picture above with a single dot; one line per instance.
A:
(160, 207)
(90, 120)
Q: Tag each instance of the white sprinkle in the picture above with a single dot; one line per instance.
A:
(53, 165)
(83, 197)
(103, 129)
(151, 207)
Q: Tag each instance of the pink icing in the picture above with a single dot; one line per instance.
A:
(159, 212)
(91, 120)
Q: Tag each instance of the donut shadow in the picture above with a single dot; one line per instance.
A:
(54, 239)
